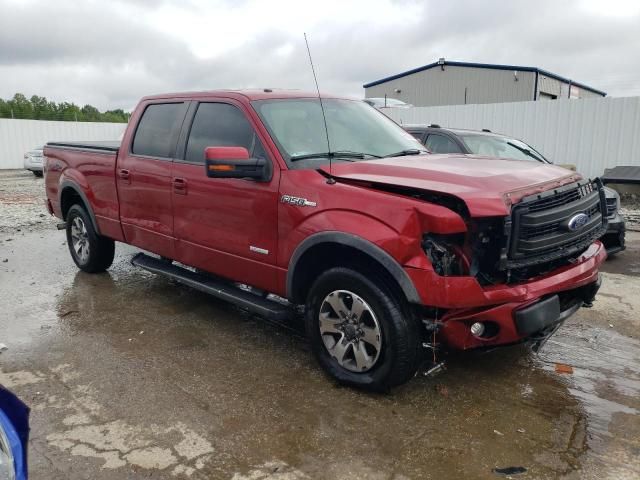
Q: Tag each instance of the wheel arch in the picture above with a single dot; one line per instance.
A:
(304, 264)
(71, 194)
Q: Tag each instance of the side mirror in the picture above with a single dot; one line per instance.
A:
(233, 162)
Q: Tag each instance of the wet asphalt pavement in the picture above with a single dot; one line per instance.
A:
(132, 376)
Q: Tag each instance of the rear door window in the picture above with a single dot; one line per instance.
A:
(158, 129)
(441, 144)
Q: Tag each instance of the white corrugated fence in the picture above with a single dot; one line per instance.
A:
(593, 134)
(20, 136)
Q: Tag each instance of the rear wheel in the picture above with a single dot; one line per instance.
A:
(361, 334)
(37, 173)
(91, 252)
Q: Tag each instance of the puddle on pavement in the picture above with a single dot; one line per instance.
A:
(265, 399)
(606, 381)
(627, 262)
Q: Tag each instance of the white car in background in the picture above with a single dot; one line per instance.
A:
(33, 161)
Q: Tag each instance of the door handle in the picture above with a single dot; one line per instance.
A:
(180, 186)
(124, 174)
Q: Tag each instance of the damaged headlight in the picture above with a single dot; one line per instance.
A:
(445, 254)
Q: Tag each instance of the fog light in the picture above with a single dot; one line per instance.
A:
(477, 329)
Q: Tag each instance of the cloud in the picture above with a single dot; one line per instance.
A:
(111, 53)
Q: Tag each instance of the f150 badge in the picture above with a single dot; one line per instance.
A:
(300, 202)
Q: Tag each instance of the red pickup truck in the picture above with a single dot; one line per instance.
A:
(393, 254)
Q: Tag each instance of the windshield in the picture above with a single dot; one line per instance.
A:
(297, 127)
(501, 147)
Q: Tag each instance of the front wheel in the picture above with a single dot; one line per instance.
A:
(361, 334)
(91, 252)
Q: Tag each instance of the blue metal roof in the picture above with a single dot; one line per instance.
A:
(489, 66)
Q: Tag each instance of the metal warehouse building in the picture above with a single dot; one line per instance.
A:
(458, 83)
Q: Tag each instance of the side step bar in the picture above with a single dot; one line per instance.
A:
(217, 288)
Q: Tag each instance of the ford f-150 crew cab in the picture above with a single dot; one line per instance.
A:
(390, 254)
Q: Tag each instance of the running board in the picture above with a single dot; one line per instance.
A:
(214, 287)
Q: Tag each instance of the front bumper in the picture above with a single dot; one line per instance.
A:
(614, 237)
(468, 302)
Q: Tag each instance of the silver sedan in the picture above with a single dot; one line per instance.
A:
(33, 161)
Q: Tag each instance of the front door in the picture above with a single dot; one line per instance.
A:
(144, 178)
(225, 226)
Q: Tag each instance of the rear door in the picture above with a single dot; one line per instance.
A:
(223, 225)
(143, 176)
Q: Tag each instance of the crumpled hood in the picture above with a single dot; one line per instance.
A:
(488, 186)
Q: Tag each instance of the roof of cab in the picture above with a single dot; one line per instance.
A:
(246, 94)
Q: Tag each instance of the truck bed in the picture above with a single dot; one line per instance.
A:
(89, 164)
(108, 146)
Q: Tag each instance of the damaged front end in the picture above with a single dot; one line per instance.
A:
(517, 277)
(535, 239)
(477, 273)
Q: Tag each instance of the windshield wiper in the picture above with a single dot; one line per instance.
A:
(526, 151)
(410, 151)
(343, 154)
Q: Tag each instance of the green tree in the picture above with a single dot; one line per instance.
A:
(21, 106)
(5, 110)
(90, 114)
(116, 116)
(39, 108)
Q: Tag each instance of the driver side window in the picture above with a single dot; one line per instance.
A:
(220, 125)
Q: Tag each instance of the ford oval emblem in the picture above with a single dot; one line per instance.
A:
(577, 221)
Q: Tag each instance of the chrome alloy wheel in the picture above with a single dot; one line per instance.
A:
(80, 239)
(350, 331)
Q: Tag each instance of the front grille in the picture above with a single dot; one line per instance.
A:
(561, 198)
(542, 224)
(553, 227)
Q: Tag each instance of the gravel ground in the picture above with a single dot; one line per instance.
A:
(632, 218)
(630, 210)
(631, 201)
(22, 197)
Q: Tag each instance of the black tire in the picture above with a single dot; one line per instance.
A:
(37, 174)
(399, 356)
(101, 250)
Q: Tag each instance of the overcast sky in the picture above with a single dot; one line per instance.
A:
(111, 52)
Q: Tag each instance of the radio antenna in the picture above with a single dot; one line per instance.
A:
(324, 118)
